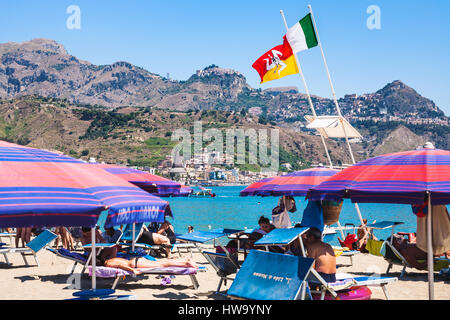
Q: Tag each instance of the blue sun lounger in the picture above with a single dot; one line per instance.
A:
(32, 247)
(271, 276)
(282, 237)
(200, 237)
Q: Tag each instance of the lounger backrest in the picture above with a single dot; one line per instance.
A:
(270, 276)
(391, 254)
(127, 233)
(328, 237)
(43, 239)
(222, 263)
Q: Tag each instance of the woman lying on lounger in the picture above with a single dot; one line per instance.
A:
(135, 264)
(108, 257)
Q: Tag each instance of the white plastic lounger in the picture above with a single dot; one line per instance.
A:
(117, 274)
(8, 235)
(77, 258)
(32, 247)
(350, 254)
(345, 281)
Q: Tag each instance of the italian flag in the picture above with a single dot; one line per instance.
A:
(302, 35)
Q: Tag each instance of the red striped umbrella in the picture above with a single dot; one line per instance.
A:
(410, 177)
(151, 183)
(403, 177)
(42, 188)
(292, 184)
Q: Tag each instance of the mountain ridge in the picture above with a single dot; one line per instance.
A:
(44, 67)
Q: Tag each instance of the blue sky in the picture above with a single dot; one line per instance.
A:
(180, 37)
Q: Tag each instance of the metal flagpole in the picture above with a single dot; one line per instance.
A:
(335, 101)
(331, 84)
(430, 250)
(133, 239)
(307, 93)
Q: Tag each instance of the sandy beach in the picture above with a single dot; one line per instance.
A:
(49, 280)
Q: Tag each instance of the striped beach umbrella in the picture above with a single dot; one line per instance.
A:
(403, 177)
(42, 188)
(151, 183)
(410, 177)
(292, 184)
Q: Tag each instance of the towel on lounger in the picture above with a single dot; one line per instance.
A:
(106, 272)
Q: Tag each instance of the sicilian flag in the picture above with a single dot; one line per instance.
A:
(280, 61)
(276, 63)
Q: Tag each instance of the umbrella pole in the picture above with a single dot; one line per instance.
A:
(430, 251)
(132, 242)
(94, 257)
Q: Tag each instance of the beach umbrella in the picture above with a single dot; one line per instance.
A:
(410, 177)
(42, 188)
(151, 183)
(296, 183)
(39, 188)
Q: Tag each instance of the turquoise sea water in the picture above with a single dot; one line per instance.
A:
(229, 210)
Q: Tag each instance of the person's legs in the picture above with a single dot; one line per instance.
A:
(124, 264)
(27, 235)
(23, 236)
(57, 232)
(18, 235)
(145, 263)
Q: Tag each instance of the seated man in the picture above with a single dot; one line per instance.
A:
(322, 253)
(264, 228)
(111, 235)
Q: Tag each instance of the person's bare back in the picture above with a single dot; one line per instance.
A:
(324, 257)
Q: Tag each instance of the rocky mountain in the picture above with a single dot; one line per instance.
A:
(52, 99)
(135, 135)
(45, 68)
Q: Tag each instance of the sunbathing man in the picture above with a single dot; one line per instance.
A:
(322, 253)
(156, 238)
(108, 258)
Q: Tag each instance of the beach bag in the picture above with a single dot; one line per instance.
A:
(281, 220)
(351, 241)
(331, 211)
